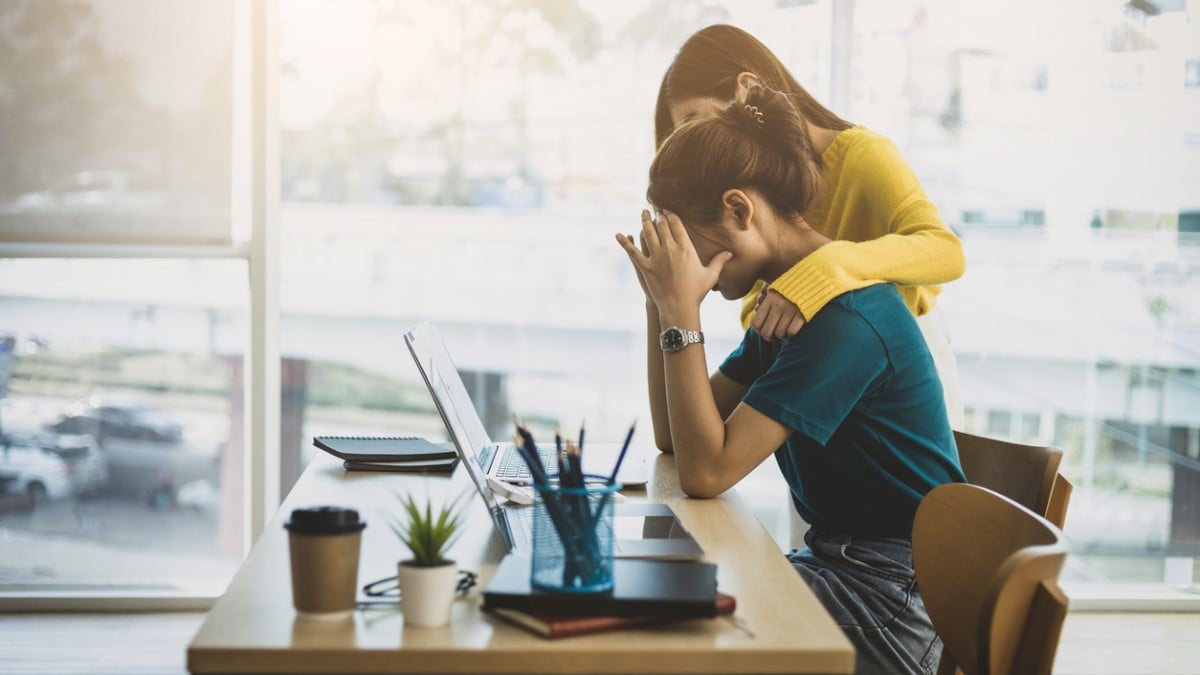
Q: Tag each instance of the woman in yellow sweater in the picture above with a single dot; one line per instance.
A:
(869, 200)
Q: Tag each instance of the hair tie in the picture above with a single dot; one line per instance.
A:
(756, 113)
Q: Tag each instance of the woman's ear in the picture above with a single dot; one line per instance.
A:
(744, 80)
(739, 207)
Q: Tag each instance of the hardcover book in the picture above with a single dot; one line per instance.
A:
(641, 588)
(556, 626)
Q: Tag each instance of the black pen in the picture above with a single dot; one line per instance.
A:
(621, 457)
(581, 425)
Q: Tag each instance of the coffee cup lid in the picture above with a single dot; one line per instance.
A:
(324, 520)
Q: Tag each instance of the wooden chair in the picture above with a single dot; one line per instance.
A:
(988, 571)
(1027, 474)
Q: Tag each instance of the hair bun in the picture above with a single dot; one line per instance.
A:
(772, 114)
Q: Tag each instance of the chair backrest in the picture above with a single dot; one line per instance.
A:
(988, 571)
(1027, 474)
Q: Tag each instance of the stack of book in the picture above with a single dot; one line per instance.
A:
(388, 453)
(645, 592)
(553, 626)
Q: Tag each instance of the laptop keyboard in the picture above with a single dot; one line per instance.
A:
(513, 467)
(520, 526)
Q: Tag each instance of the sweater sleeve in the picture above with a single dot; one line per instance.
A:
(904, 240)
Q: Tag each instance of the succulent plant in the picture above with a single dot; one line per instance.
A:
(429, 533)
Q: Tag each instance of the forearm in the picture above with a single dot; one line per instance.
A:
(697, 430)
(923, 258)
(656, 382)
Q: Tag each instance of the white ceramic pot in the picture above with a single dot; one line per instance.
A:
(427, 593)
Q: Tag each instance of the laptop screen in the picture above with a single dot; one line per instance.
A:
(450, 396)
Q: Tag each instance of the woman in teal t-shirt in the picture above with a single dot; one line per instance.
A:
(851, 406)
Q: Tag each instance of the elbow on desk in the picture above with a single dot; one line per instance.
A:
(663, 443)
(701, 484)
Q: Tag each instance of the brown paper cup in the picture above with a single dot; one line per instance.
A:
(324, 572)
(324, 545)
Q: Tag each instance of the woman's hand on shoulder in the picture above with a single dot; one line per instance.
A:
(775, 317)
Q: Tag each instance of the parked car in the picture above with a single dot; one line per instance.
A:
(121, 418)
(88, 462)
(34, 472)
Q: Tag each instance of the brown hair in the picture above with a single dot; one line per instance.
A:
(756, 143)
(708, 65)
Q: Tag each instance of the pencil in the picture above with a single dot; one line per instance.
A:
(558, 452)
(529, 452)
(575, 470)
(621, 457)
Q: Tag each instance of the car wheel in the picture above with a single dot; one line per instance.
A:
(36, 493)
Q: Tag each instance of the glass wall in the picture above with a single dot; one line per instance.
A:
(468, 163)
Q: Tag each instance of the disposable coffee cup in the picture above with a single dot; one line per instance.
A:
(324, 542)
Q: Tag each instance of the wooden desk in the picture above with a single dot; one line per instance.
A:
(253, 627)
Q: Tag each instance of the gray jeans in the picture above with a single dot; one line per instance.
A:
(868, 586)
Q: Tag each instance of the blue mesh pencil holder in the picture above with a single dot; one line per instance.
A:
(573, 538)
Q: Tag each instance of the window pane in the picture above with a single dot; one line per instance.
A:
(122, 423)
(117, 120)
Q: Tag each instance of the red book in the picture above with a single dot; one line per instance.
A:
(554, 626)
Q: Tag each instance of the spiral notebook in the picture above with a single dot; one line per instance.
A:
(388, 453)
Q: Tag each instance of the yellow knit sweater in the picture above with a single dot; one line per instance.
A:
(885, 230)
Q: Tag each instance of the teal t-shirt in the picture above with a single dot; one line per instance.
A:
(859, 389)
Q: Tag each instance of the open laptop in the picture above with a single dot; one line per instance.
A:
(643, 530)
(500, 460)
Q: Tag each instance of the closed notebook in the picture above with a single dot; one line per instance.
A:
(382, 448)
(555, 626)
(641, 588)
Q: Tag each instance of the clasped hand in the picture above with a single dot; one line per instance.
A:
(668, 267)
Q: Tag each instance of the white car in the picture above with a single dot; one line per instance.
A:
(87, 462)
(37, 473)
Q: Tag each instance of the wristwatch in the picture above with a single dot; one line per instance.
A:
(674, 338)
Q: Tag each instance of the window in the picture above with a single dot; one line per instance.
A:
(125, 309)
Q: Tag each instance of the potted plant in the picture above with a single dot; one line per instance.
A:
(428, 580)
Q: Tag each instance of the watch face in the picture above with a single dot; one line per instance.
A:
(672, 339)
